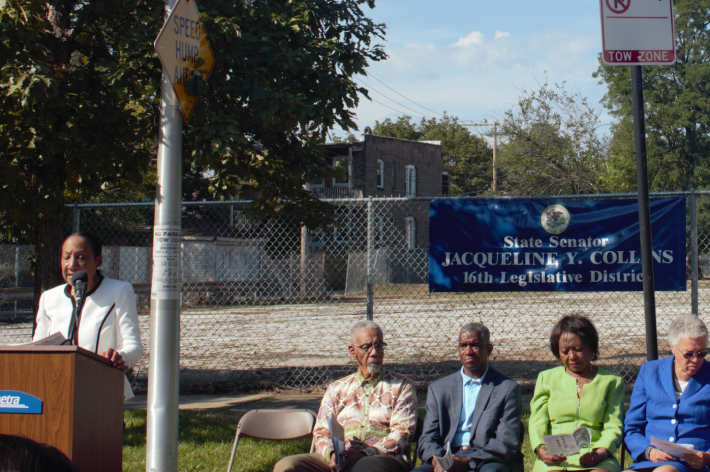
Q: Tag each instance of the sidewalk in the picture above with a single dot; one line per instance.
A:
(217, 403)
(241, 403)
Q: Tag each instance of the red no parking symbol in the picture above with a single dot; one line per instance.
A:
(618, 6)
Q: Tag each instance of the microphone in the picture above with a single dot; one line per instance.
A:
(79, 280)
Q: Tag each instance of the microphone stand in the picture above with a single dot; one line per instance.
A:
(79, 292)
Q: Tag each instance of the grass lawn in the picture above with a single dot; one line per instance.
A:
(205, 443)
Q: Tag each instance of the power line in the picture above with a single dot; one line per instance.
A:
(394, 109)
(422, 106)
(388, 98)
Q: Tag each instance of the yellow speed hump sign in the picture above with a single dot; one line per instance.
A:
(183, 48)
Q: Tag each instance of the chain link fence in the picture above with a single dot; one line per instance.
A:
(266, 302)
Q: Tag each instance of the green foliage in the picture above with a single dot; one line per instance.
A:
(79, 92)
(403, 128)
(283, 78)
(677, 109)
(467, 155)
(350, 138)
(470, 158)
(554, 144)
(75, 90)
(619, 174)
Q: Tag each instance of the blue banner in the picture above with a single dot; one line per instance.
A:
(551, 245)
(12, 401)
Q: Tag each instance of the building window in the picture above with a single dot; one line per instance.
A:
(394, 176)
(344, 165)
(317, 186)
(444, 183)
(380, 173)
(410, 181)
(342, 234)
(410, 226)
(379, 230)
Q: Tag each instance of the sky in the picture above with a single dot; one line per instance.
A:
(472, 58)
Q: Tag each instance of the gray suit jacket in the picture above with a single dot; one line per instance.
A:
(496, 427)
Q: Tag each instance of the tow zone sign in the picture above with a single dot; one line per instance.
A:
(637, 32)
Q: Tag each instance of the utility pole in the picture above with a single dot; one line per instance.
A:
(494, 145)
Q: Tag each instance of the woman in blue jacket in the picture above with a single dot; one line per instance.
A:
(671, 402)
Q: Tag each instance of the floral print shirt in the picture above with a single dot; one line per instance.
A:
(371, 411)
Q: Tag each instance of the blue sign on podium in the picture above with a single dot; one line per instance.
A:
(19, 402)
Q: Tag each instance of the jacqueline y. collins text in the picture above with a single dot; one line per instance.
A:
(491, 245)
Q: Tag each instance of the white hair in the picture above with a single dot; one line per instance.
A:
(686, 326)
(360, 325)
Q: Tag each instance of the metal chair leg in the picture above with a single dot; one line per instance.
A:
(234, 452)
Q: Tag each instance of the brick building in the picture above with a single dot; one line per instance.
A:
(380, 167)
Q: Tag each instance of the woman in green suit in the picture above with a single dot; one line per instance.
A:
(578, 393)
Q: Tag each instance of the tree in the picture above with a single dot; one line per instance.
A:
(553, 144)
(470, 158)
(676, 106)
(403, 128)
(350, 138)
(467, 155)
(79, 94)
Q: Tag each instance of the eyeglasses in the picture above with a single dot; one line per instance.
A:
(379, 347)
(692, 355)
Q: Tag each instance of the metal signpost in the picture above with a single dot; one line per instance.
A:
(180, 44)
(636, 33)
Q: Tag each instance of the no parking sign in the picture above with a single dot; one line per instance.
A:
(637, 32)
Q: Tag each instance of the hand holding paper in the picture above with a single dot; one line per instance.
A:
(336, 436)
(672, 448)
(568, 444)
(447, 461)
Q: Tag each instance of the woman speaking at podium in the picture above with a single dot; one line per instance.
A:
(108, 322)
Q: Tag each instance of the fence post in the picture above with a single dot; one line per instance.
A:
(17, 274)
(694, 251)
(76, 218)
(370, 255)
(304, 256)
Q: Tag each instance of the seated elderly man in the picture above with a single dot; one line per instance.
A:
(377, 409)
(476, 410)
(670, 402)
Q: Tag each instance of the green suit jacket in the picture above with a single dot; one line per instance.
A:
(555, 409)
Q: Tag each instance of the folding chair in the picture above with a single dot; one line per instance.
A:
(277, 425)
(623, 455)
(414, 445)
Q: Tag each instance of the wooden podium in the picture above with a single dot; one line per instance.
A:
(82, 409)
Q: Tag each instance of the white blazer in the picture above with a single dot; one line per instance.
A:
(109, 320)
